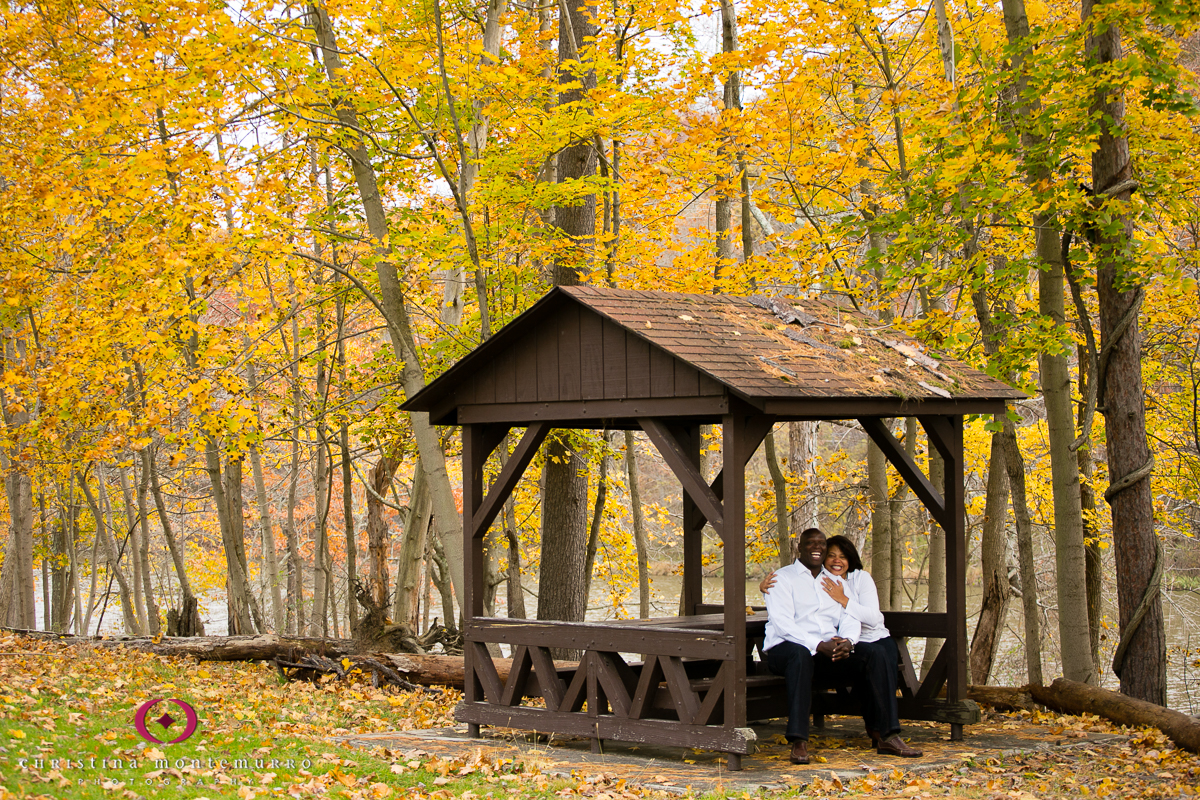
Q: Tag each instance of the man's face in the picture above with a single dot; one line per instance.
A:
(812, 550)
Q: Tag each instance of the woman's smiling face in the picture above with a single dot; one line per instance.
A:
(836, 562)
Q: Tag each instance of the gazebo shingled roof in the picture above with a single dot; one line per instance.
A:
(586, 357)
(784, 359)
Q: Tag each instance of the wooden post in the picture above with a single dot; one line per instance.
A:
(734, 457)
(956, 571)
(692, 590)
(473, 456)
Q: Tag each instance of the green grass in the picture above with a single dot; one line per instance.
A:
(67, 730)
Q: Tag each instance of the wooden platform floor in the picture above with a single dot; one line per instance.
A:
(842, 745)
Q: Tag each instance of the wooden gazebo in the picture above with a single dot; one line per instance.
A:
(666, 363)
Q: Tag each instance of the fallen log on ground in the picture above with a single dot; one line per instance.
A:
(1073, 697)
(259, 647)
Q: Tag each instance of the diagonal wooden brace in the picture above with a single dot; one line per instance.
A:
(675, 455)
(909, 471)
(517, 463)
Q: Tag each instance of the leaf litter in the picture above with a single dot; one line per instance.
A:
(66, 730)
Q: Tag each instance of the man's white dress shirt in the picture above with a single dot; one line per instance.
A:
(800, 611)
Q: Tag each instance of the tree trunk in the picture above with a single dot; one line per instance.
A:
(1015, 465)
(593, 539)
(143, 545)
(190, 623)
(515, 587)
(266, 531)
(1136, 549)
(322, 572)
(406, 605)
(1055, 377)
(994, 555)
(561, 581)
(802, 454)
(779, 487)
(135, 553)
(881, 524)
(639, 527)
(1093, 562)
(16, 584)
(447, 519)
(227, 497)
(295, 576)
(379, 480)
(348, 519)
(732, 101)
(102, 513)
(1072, 697)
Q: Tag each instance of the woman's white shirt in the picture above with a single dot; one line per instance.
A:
(863, 605)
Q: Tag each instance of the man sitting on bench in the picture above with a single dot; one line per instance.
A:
(807, 631)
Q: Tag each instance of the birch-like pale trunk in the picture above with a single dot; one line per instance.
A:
(447, 520)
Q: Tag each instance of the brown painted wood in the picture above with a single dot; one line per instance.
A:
(518, 675)
(687, 380)
(525, 355)
(637, 366)
(692, 589)
(662, 373)
(575, 414)
(909, 683)
(506, 377)
(715, 694)
(917, 624)
(617, 680)
(706, 385)
(674, 453)
(686, 702)
(591, 357)
(615, 383)
(649, 679)
(663, 732)
(548, 365)
(956, 567)
(735, 444)
(485, 672)
(472, 603)
(506, 481)
(572, 699)
(935, 677)
(551, 685)
(485, 386)
(570, 386)
(925, 491)
(939, 709)
(600, 637)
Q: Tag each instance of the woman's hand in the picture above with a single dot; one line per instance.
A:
(766, 583)
(836, 591)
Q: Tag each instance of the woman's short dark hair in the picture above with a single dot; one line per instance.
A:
(848, 550)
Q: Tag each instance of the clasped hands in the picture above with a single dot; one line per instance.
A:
(836, 648)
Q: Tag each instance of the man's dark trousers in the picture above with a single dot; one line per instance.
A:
(799, 668)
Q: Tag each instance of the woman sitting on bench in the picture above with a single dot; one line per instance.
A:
(860, 599)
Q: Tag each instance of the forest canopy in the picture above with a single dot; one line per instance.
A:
(234, 238)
